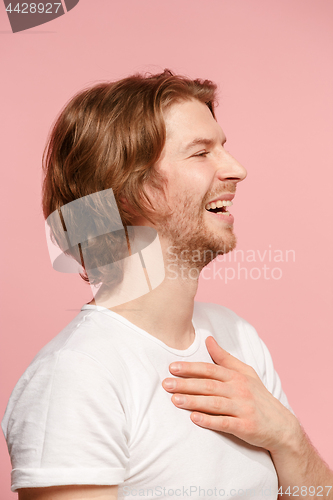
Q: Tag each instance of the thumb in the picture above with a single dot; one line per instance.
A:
(217, 353)
(223, 358)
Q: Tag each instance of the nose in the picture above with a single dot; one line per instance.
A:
(230, 169)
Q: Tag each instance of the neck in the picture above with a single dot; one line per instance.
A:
(165, 312)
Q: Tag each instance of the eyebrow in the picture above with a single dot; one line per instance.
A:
(200, 141)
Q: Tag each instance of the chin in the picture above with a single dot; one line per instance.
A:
(225, 243)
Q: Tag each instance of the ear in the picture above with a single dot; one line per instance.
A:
(126, 206)
(123, 201)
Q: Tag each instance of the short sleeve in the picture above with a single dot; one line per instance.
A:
(65, 424)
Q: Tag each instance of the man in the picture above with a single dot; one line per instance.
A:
(92, 417)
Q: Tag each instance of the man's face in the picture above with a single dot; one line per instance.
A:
(198, 171)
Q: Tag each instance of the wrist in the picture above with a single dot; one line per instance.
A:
(291, 440)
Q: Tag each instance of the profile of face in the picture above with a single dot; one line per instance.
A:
(192, 217)
(198, 171)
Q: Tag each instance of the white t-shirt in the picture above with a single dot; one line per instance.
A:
(91, 409)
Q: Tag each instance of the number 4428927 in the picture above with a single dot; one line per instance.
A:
(305, 491)
(34, 8)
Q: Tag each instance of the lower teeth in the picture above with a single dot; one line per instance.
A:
(220, 212)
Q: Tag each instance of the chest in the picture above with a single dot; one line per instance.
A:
(168, 452)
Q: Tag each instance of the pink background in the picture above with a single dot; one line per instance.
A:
(273, 63)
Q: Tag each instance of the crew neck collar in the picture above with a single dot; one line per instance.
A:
(118, 317)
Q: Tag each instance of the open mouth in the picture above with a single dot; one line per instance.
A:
(219, 206)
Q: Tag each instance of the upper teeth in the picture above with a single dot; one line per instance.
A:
(218, 204)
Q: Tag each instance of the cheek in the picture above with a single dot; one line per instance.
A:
(199, 178)
(195, 179)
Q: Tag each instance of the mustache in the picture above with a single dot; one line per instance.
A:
(226, 187)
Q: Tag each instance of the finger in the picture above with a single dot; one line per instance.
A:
(214, 405)
(221, 423)
(199, 369)
(205, 387)
(223, 358)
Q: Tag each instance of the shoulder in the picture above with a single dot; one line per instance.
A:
(82, 361)
(70, 410)
(92, 337)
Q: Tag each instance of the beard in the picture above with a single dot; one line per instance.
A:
(189, 237)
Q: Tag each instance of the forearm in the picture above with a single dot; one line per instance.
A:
(298, 465)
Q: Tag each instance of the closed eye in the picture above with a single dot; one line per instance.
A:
(203, 154)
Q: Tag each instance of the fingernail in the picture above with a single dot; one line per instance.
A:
(196, 417)
(169, 383)
(175, 367)
(180, 400)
